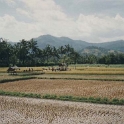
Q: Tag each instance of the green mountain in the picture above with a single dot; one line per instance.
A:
(97, 51)
(60, 41)
(114, 45)
(78, 44)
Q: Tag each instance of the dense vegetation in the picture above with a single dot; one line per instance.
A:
(27, 53)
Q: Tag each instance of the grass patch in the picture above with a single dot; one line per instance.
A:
(84, 99)
(30, 73)
(114, 101)
(48, 96)
(29, 95)
(16, 79)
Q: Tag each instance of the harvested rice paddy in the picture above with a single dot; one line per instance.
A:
(15, 110)
(81, 88)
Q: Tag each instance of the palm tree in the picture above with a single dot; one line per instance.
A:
(61, 51)
(67, 49)
(33, 51)
(5, 52)
(47, 52)
(55, 55)
(75, 56)
(23, 52)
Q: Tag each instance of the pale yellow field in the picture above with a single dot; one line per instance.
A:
(15, 110)
(81, 76)
(6, 76)
(84, 88)
(72, 70)
(96, 72)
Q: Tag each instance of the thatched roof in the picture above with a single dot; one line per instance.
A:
(15, 67)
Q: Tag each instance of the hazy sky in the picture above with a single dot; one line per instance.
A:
(87, 20)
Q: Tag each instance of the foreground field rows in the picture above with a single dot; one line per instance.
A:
(29, 111)
(85, 88)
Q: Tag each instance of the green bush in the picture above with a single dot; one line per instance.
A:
(91, 99)
(66, 98)
(115, 100)
(47, 96)
(80, 99)
(2, 92)
(98, 99)
(36, 96)
(104, 100)
(121, 101)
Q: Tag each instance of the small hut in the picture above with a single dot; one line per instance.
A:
(63, 67)
(15, 67)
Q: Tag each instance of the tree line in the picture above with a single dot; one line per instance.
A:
(27, 53)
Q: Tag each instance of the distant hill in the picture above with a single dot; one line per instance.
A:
(97, 51)
(60, 41)
(77, 44)
(114, 45)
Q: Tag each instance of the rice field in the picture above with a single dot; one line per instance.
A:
(89, 72)
(81, 77)
(97, 81)
(78, 70)
(81, 88)
(15, 110)
(6, 76)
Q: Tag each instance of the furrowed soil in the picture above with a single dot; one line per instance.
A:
(14, 110)
(81, 88)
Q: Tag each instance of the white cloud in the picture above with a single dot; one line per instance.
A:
(40, 10)
(9, 2)
(101, 27)
(46, 17)
(23, 12)
(15, 30)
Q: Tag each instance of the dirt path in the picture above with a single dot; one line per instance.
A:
(14, 110)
